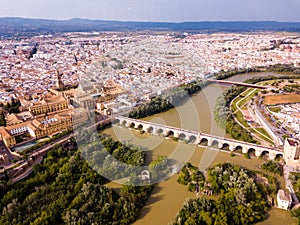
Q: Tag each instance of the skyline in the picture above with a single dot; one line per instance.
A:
(155, 10)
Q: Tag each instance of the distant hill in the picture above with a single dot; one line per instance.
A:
(24, 25)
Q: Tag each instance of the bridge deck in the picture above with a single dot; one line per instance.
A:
(197, 133)
(238, 83)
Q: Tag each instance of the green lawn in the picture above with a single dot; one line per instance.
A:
(241, 101)
(275, 109)
(262, 131)
(240, 117)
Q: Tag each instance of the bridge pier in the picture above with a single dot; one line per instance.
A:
(176, 134)
(220, 145)
(165, 132)
(231, 147)
(198, 139)
(244, 150)
(258, 153)
(272, 155)
(145, 128)
(209, 142)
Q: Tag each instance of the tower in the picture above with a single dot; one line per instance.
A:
(292, 152)
(59, 84)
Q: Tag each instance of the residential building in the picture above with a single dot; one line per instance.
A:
(284, 200)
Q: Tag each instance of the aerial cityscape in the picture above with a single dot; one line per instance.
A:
(142, 115)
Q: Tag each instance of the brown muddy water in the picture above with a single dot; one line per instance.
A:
(196, 114)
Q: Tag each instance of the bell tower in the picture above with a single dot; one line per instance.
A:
(59, 84)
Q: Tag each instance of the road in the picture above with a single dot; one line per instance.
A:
(37, 153)
(288, 183)
(278, 141)
(251, 127)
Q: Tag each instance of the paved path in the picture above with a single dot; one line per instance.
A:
(251, 127)
(288, 183)
(23, 164)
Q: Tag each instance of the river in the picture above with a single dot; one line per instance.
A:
(196, 114)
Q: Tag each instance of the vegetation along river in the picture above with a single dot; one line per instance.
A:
(195, 114)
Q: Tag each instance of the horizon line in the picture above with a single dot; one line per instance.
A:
(146, 21)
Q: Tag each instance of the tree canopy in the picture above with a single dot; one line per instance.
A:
(240, 198)
(63, 189)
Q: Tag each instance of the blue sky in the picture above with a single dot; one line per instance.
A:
(154, 10)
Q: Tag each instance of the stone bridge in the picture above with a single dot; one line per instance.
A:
(197, 137)
(238, 83)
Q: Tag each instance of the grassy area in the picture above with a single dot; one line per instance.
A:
(275, 109)
(263, 131)
(241, 102)
(233, 105)
(240, 117)
(247, 92)
(248, 98)
(242, 99)
(261, 134)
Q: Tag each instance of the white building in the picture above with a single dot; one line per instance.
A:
(284, 200)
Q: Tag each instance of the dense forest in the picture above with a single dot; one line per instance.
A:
(192, 177)
(115, 160)
(63, 189)
(273, 167)
(240, 197)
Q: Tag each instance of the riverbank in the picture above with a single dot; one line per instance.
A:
(169, 194)
(225, 114)
(168, 197)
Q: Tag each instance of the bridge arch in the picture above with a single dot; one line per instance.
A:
(140, 126)
(251, 151)
(265, 153)
(203, 141)
(170, 133)
(123, 123)
(279, 156)
(159, 131)
(150, 130)
(214, 143)
(182, 136)
(192, 138)
(238, 148)
(131, 125)
(117, 121)
(225, 146)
